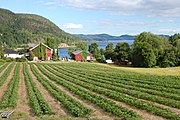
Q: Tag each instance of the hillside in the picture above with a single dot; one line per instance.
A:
(25, 28)
(108, 37)
(105, 37)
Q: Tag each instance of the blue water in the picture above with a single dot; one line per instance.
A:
(63, 52)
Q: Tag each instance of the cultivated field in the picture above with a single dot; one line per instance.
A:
(87, 91)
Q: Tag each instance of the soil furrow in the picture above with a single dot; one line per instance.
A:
(97, 111)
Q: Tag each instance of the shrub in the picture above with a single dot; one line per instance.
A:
(22, 59)
(2, 60)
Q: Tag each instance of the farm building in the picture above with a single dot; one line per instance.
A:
(9, 53)
(40, 52)
(79, 55)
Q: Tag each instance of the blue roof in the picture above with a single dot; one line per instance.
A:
(79, 51)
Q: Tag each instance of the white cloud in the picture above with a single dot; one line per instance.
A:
(73, 26)
(111, 22)
(169, 30)
(50, 3)
(126, 7)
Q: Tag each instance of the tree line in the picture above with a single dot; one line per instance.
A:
(148, 50)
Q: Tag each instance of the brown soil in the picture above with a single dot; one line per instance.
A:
(145, 115)
(176, 110)
(54, 104)
(97, 111)
(4, 87)
(22, 105)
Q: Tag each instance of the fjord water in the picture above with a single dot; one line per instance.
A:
(63, 52)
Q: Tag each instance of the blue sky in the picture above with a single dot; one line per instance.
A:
(115, 17)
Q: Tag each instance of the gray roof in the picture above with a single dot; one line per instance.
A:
(31, 45)
(38, 45)
(76, 52)
(79, 51)
(10, 51)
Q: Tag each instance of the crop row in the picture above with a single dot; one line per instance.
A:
(151, 80)
(73, 106)
(130, 90)
(6, 74)
(121, 80)
(11, 95)
(3, 66)
(101, 83)
(165, 81)
(121, 97)
(120, 85)
(37, 102)
(107, 105)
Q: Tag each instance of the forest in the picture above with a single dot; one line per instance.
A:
(148, 50)
(19, 29)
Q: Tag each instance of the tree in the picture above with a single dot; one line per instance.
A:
(31, 55)
(122, 51)
(51, 42)
(93, 47)
(81, 46)
(102, 51)
(109, 52)
(1, 50)
(173, 39)
(97, 55)
(143, 55)
(157, 45)
(169, 58)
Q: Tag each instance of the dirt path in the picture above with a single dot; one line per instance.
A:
(145, 115)
(4, 87)
(54, 104)
(22, 105)
(97, 111)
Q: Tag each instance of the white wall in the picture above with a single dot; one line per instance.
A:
(109, 61)
(13, 55)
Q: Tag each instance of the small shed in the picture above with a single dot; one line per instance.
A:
(80, 55)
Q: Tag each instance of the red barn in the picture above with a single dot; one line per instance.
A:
(82, 55)
(41, 52)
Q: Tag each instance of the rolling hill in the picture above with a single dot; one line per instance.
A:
(105, 37)
(26, 28)
(109, 37)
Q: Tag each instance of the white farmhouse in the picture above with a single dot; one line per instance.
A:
(9, 53)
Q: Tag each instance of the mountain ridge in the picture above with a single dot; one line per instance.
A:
(104, 36)
(22, 28)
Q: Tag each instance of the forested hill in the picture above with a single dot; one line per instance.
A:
(105, 37)
(16, 29)
(109, 37)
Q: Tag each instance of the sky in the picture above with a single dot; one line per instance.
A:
(114, 17)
